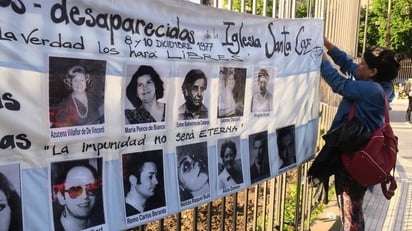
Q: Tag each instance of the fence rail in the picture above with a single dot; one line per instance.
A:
(405, 72)
(285, 202)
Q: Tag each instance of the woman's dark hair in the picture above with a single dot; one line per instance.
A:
(191, 77)
(14, 201)
(263, 73)
(196, 152)
(227, 144)
(385, 61)
(133, 165)
(72, 72)
(131, 89)
(227, 72)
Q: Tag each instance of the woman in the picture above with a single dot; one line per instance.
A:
(80, 107)
(373, 76)
(10, 206)
(262, 99)
(143, 91)
(227, 103)
(193, 171)
(231, 173)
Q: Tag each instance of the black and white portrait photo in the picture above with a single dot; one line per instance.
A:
(10, 198)
(194, 91)
(286, 146)
(76, 91)
(193, 172)
(145, 92)
(77, 194)
(143, 181)
(258, 156)
(232, 83)
(262, 98)
(229, 162)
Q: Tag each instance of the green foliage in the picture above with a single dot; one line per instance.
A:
(237, 6)
(289, 216)
(290, 204)
(301, 7)
(302, 10)
(400, 25)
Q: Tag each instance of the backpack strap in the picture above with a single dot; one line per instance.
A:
(386, 108)
(352, 111)
(388, 193)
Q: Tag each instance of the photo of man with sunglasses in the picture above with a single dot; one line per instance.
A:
(77, 194)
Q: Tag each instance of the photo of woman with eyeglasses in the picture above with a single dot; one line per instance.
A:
(77, 194)
(192, 170)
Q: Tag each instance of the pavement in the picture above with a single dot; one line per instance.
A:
(382, 214)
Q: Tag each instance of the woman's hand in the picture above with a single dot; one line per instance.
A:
(324, 56)
(328, 44)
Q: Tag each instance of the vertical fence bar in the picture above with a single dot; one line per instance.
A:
(230, 5)
(274, 11)
(243, 6)
(265, 8)
(305, 199)
(223, 215)
(271, 218)
(254, 3)
(264, 205)
(255, 207)
(282, 201)
(195, 218)
(277, 202)
(235, 211)
(297, 199)
(245, 209)
(161, 224)
(179, 221)
(293, 15)
(209, 215)
(281, 11)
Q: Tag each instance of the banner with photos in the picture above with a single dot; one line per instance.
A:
(117, 113)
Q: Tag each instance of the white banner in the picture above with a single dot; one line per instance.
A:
(117, 113)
